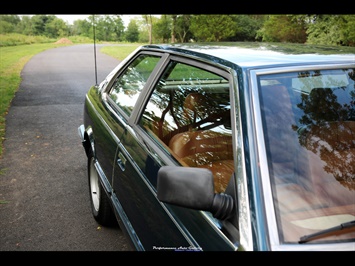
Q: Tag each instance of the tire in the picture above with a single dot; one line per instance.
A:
(100, 203)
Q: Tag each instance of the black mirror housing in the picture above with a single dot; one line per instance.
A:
(193, 188)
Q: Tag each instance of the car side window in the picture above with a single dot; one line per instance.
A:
(189, 115)
(127, 86)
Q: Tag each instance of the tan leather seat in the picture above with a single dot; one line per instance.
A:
(204, 148)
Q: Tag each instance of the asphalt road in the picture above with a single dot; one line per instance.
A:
(43, 181)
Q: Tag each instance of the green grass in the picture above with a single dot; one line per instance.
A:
(120, 52)
(15, 39)
(20, 50)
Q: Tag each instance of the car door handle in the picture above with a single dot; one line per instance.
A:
(121, 161)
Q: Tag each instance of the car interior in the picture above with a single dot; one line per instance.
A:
(195, 127)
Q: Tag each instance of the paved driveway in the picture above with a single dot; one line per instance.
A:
(44, 187)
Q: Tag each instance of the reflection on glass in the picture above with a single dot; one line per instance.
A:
(128, 85)
(189, 114)
(309, 128)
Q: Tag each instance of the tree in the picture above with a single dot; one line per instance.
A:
(182, 28)
(348, 30)
(302, 28)
(331, 29)
(107, 28)
(56, 28)
(162, 28)
(247, 27)
(283, 28)
(320, 32)
(149, 24)
(39, 23)
(132, 32)
(8, 23)
(25, 26)
(212, 28)
(118, 27)
(83, 27)
(173, 28)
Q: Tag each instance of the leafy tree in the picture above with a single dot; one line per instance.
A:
(6, 27)
(83, 27)
(310, 28)
(103, 25)
(173, 28)
(12, 19)
(182, 28)
(107, 28)
(283, 28)
(162, 28)
(212, 28)
(118, 27)
(56, 28)
(25, 26)
(247, 27)
(149, 24)
(323, 29)
(39, 23)
(348, 30)
(147, 27)
(132, 32)
(331, 29)
(8, 23)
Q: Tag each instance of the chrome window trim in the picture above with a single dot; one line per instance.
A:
(244, 213)
(123, 65)
(142, 99)
(119, 70)
(261, 152)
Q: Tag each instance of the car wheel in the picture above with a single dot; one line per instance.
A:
(100, 204)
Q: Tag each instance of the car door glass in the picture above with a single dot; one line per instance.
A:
(127, 86)
(189, 115)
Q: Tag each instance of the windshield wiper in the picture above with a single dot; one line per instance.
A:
(342, 226)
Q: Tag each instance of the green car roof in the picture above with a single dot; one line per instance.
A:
(247, 54)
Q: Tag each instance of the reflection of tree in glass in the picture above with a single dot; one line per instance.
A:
(192, 107)
(330, 131)
(323, 105)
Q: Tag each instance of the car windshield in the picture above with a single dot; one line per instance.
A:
(309, 130)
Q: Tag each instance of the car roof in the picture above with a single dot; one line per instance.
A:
(256, 54)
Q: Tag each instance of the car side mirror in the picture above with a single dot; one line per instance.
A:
(193, 188)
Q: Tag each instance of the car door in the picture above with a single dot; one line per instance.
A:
(128, 183)
(144, 148)
(110, 109)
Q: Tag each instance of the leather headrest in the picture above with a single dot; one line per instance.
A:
(194, 106)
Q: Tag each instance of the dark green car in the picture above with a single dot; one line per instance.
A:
(225, 147)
